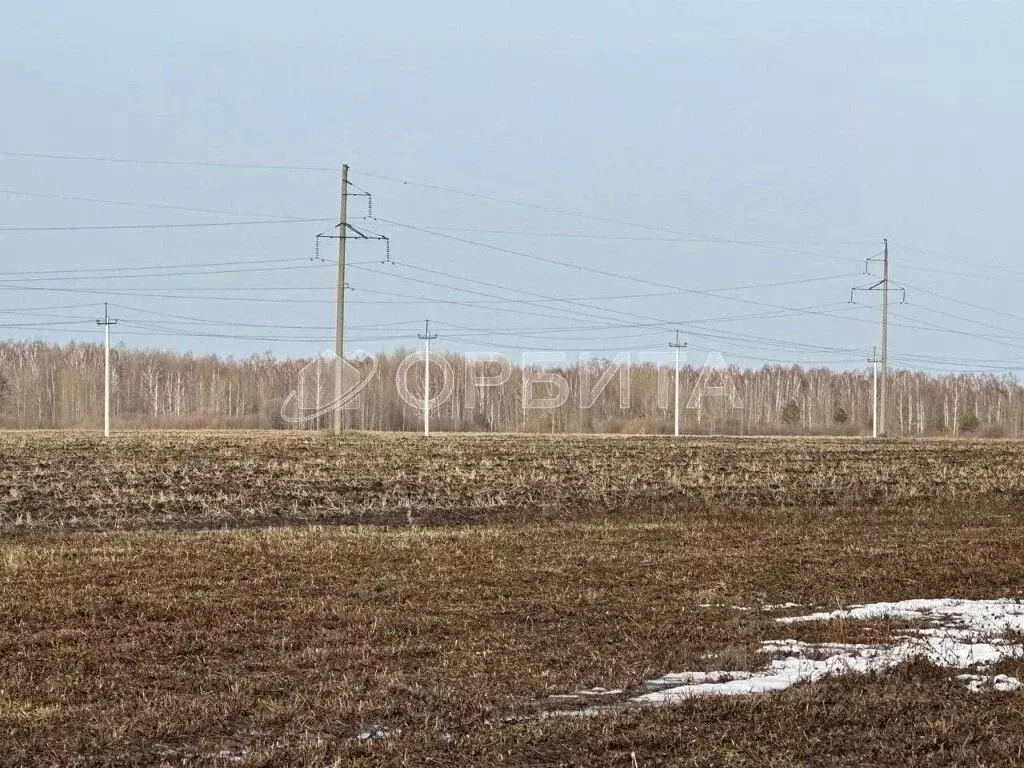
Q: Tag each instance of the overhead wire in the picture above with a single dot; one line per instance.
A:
(138, 204)
(578, 302)
(174, 225)
(584, 268)
(305, 264)
(697, 237)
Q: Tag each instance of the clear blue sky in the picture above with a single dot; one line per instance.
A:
(757, 142)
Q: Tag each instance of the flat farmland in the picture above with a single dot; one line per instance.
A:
(299, 599)
(62, 481)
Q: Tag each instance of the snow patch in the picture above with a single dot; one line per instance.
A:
(374, 732)
(782, 607)
(707, 606)
(696, 678)
(988, 616)
(1001, 683)
(959, 634)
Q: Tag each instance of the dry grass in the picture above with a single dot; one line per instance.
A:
(59, 481)
(587, 566)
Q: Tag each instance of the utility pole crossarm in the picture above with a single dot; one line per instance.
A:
(107, 319)
(350, 230)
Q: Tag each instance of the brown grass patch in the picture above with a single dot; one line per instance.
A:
(62, 481)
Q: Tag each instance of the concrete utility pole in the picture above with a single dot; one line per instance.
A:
(346, 232)
(677, 346)
(106, 322)
(885, 338)
(426, 336)
(883, 286)
(874, 391)
(339, 339)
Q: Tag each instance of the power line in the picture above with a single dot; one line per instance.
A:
(171, 331)
(653, 327)
(747, 340)
(115, 271)
(674, 292)
(136, 267)
(135, 204)
(178, 225)
(248, 270)
(543, 298)
(29, 310)
(917, 288)
(661, 322)
(769, 245)
(604, 219)
(522, 331)
(1009, 333)
(629, 238)
(563, 307)
(617, 275)
(593, 270)
(653, 348)
(420, 281)
(815, 309)
(50, 323)
(994, 267)
(151, 329)
(691, 236)
(210, 321)
(776, 245)
(984, 337)
(175, 163)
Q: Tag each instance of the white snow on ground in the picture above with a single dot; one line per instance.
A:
(962, 634)
(989, 616)
(697, 678)
(373, 733)
(1002, 683)
(582, 694)
(958, 634)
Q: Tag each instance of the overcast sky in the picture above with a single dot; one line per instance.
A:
(657, 150)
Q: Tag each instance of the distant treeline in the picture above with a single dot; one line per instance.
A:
(48, 385)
